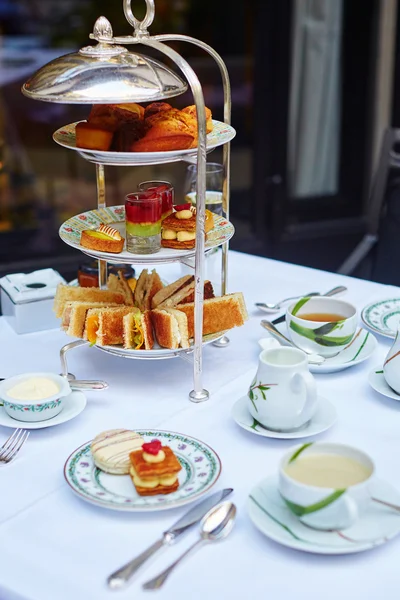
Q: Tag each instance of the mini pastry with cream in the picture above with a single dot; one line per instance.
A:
(154, 469)
(179, 229)
(110, 450)
(103, 239)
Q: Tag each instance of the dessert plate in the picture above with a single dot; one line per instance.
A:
(157, 352)
(361, 348)
(323, 419)
(65, 136)
(377, 525)
(383, 316)
(201, 469)
(74, 405)
(377, 381)
(70, 232)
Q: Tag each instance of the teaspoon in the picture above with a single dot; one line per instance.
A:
(313, 358)
(216, 525)
(270, 307)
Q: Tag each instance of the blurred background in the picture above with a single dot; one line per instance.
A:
(314, 92)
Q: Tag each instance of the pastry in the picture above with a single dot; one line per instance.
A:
(179, 229)
(93, 136)
(110, 450)
(154, 469)
(102, 239)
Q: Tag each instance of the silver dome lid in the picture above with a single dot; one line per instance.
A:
(103, 74)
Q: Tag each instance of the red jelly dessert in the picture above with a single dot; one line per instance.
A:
(143, 213)
(167, 194)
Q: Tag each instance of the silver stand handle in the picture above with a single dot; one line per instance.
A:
(120, 578)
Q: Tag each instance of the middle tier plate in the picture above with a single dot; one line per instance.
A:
(158, 353)
(70, 232)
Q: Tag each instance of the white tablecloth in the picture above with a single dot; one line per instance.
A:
(55, 546)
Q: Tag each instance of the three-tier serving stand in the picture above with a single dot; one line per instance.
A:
(108, 73)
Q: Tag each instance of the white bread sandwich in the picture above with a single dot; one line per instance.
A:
(118, 283)
(148, 284)
(179, 292)
(138, 331)
(170, 328)
(219, 314)
(69, 293)
(74, 316)
(105, 326)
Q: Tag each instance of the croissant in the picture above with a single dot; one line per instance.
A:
(165, 130)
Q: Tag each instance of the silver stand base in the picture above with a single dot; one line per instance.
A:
(222, 342)
(199, 396)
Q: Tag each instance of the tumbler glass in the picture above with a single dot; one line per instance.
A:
(143, 222)
(167, 194)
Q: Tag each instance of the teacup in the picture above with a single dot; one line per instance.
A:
(391, 366)
(326, 485)
(283, 393)
(322, 325)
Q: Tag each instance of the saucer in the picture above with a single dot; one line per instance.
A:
(74, 405)
(324, 418)
(377, 381)
(362, 346)
(382, 316)
(377, 525)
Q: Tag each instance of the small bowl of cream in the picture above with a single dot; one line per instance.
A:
(34, 396)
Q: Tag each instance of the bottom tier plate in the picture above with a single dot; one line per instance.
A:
(157, 352)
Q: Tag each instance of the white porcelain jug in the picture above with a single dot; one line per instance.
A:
(391, 366)
(283, 394)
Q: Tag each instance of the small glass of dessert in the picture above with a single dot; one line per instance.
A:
(167, 194)
(143, 222)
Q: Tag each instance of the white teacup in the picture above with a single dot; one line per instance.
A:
(283, 393)
(325, 484)
(322, 325)
(391, 366)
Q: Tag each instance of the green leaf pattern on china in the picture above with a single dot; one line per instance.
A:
(257, 389)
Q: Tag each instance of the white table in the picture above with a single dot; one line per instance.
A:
(55, 546)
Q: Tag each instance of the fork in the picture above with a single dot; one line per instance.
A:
(13, 445)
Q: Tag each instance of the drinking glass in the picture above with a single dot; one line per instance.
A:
(143, 222)
(167, 194)
(214, 183)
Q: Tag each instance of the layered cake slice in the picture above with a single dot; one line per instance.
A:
(154, 469)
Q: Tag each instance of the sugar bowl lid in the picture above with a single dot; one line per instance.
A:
(103, 73)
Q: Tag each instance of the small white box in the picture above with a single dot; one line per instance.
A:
(27, 300)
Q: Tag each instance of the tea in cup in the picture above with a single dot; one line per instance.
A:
(283, 393)
(321, 325)
(325, 484)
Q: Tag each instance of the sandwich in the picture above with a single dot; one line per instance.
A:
(68, 293)
(74, 316)
(118, 283)
(180, 291)
(219, 314)
(105, 326)
(148, 284)
(138, 331)
(179, 229)
(170, 328)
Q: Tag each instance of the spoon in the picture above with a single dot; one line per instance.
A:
(313, 358)
(270, 307)
(215, 525)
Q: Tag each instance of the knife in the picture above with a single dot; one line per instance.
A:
(120, 578)
(336, 290)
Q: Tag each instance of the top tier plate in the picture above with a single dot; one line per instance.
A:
(65, 136)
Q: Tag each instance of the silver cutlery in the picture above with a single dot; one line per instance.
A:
(270, 307)
(87, 384)
(336, 290)
(13, 445)
(120, 578)
(215, 526)
(389, 504)
(313, 358)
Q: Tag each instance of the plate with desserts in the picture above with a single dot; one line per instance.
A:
(101, 234)
(131, 133)
(142, 470)
(144, 317)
